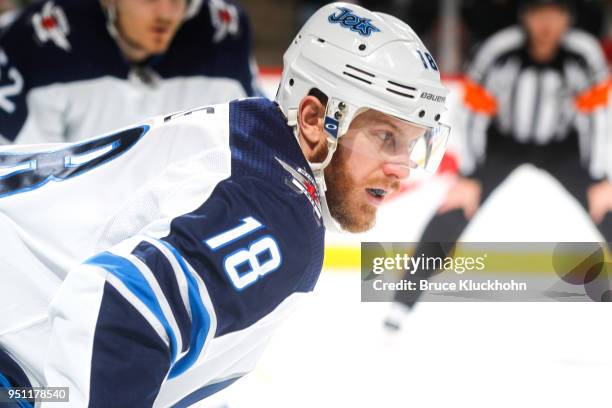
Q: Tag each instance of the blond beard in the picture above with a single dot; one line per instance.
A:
(340, 188)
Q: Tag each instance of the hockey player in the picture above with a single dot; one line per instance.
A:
(71, 69)
(150, 266)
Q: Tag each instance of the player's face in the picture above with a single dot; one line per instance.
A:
(149, 25)
(371, 160)
(6, 5)
(546, 25)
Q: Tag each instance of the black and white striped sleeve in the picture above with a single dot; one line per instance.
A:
(592, 103)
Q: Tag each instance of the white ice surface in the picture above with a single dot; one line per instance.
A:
(334, 353)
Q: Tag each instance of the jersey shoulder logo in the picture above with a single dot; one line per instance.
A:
(302, 183)
(346, 18)
(224, 19)
(51, 24)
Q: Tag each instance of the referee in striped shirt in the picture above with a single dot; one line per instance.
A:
(535, 93)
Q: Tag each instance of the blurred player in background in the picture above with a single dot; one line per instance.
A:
(71, 69)
(536, 93)
(190, 237)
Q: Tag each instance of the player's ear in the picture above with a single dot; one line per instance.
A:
(313, 139)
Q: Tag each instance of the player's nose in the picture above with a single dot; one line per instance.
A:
(399, 171)
(168, 9)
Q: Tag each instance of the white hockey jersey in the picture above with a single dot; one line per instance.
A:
(148, 267)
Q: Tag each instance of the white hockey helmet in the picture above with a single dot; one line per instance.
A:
(364, 60)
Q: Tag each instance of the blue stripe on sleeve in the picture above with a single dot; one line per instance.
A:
(204, 392)
(160, 266)
(5, 383)
(133, 279)
(199, 316)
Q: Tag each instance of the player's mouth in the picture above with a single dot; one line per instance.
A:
(160, 30)
(376, 195)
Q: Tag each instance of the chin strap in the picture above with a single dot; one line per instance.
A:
(111, 20)
(192, 8)
(128, 50)
(318, 170)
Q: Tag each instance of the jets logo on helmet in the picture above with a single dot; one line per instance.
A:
(348, 19)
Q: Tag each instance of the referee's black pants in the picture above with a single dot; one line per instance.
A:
(503, 157)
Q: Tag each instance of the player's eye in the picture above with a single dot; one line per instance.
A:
(386, 137)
